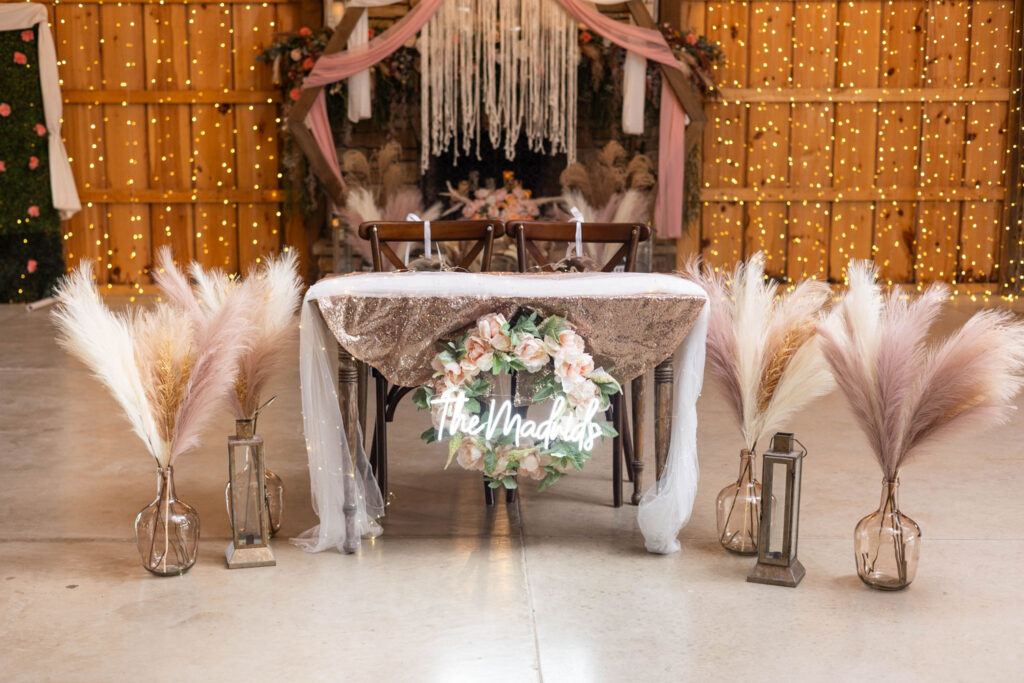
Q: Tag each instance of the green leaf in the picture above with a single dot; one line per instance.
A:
(447, 356)
(510, 482)
(607, 429)
(421, 396)
(453, 446)
(430, 436)
(473, 405)
(490, 460)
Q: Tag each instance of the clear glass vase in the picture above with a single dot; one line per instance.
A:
(887, 543)
(739, 509)
(275, 500)
(167, 530)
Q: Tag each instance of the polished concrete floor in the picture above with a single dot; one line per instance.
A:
(557, 588)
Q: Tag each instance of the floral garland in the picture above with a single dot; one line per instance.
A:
(565, 374)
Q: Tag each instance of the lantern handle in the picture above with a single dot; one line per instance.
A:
(256, 414)
(804, 455)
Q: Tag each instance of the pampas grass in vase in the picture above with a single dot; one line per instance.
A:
(270, 296)
(907, 393)
(762, 347)
(167, 371)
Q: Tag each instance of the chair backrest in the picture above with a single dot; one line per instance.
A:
(628, 235)
(382, 233)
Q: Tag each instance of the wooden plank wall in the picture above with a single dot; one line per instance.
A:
(173, 129)
(857, 129)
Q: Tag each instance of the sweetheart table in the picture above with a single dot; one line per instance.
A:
(631, 322)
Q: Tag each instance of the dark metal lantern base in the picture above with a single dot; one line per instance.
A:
(775, 575)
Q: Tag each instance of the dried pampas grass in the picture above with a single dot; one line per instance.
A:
(905, 392)
(761, 344)
(268, 298)
(164, 367)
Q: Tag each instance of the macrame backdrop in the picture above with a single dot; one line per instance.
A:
(511, 63)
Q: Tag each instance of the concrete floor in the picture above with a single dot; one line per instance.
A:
(558, 588)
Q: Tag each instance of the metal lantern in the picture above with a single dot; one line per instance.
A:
(250, 519)
(780, 515)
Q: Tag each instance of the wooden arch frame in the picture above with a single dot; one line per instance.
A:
(684, 92)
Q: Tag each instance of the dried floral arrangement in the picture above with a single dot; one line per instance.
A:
(271, 292)
(165, 368)
(377, 193)
(906, 392)
(761, 344)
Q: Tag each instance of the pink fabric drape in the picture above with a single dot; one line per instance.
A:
(648, 43)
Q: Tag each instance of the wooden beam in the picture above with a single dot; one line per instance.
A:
(1011, 253)
(171, 96)
(123, 195)
(681, 87)
(297, 116)
(823, 95)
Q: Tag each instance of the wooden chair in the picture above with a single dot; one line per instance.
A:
(629, 444)
(381, 235)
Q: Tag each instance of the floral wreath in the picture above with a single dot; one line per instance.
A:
(562, 372)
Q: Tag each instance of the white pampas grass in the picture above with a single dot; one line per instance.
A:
(761, 344)
(905, 392)
(164, 367)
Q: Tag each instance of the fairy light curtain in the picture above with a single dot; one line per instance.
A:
(462, 80)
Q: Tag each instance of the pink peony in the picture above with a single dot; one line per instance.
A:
(691, 38)
(531, 465)
(567, 342)
(469, 455)
(33, 211)
(532, 352)
(3, 166)
(478, 352)
(20, 58)
(294, 94)
(489, 328)
(296, 54)
(305, 31)
(40, 129)
(582, 393)
(573, 368)
(5, 109)
(27, 36)
(33, 163)
(455, 373)
(31, 265)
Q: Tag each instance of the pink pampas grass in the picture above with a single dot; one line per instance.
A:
(905, 392)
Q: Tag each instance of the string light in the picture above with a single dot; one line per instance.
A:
(861, 130)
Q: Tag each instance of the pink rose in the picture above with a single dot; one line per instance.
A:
(469, 455)
(567, 342)
(5, 109)
(20, 58)
(691, 38)
(582, 393)
(305, 31)
(502, 463)
(572, 369)
(296, 54)
(294, 94)
(455, 373)
(531, 465)
(27, 36)
(478, 352)
(31, 265)
(489, 329)
(40, 129)
(33, 211)
(3, 166)
(532, 352)
(307, 63)
(33, 163)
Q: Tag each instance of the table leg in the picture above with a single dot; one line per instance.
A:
(348, 397)
(663, 400)
(637, 395)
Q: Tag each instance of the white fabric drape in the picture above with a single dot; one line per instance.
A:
(337, 480)
(20, 16)
(634, 93)
(359, 84)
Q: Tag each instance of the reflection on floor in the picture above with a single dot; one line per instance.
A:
(558, 587)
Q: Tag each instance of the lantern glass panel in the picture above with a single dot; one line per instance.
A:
(777, 528)
(246, 495)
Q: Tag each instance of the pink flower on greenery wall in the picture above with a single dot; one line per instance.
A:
(27, 36)
(5, 109)
(31, 266)
(3, 166)
(33, 163)
(33, 211)
(40, 129)
(20, 58)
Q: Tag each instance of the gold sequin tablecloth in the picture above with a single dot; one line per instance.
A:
(396, 333)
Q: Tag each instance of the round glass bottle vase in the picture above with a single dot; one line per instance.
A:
(739, 509)
(167, 530)
(887, 543)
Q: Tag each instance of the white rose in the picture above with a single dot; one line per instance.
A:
(532, 353)
(581, 394)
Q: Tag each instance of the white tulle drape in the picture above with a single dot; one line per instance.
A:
(339, 480)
